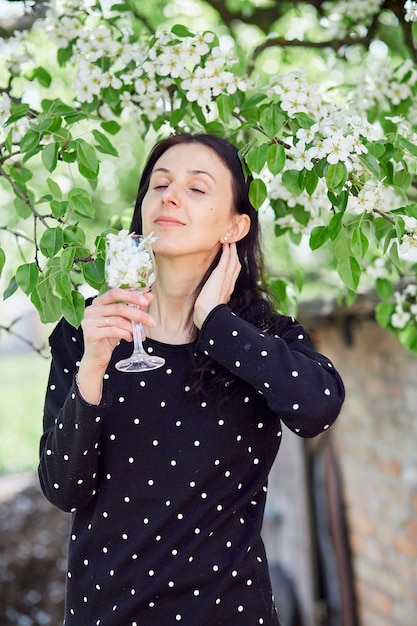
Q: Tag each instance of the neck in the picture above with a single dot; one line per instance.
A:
(173, 301)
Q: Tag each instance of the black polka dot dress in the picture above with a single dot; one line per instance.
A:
(167, 488)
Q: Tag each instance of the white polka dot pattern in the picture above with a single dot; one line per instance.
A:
(168, 489)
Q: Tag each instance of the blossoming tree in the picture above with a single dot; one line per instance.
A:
(319, 96)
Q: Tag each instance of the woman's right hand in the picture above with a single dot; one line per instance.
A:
(107, 321)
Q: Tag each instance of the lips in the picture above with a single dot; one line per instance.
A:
(168, 220)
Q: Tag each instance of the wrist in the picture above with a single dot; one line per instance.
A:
(89, 381)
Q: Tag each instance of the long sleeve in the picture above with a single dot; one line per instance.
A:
(69, 447)
(299, 384)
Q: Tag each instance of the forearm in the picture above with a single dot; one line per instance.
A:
(300, 385)
(90, 381)
(69, 452)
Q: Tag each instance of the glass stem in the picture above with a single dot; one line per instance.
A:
(137, 338)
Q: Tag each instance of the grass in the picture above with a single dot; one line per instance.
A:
(23, 382)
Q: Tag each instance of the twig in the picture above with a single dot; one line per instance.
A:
(24, 197)
(385, 216)
(9, 330)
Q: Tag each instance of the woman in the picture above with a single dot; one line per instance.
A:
(165, 472)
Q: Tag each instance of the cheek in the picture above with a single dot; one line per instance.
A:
(145, 211)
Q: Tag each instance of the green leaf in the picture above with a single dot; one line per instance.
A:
(383, 313)
(123, 7)
(46, 302)
(336, 175)
(256, 157)
(410, 147)
(63, 286)
(22, 209)
(50, 156)
(340, 200)
(68, 156)
(20, 174)
(311, 181)
(177, 115)
(272, 119)
(371, 163)
(200, 117)
(111, 127)
(59, 208)
(359, 243)
(54, 188)
(301, 215)
(41, 75)
(64, 55)
(30, 141)
(104, 145)
(257, 192)
(319, 235)
(402, 179)
(10, 289)
(74, 235)
(252, 102)
(215, 128)
(27, 277)
(80, 202)
(18, 111)
(225, 107)
(384, 288)
(182, 31)
(304, 120)
(335, 225)
(2, 259)
(279, 288)
(293, 181)
(93, 273)
(275, 158)
(86, 155)
(67, 259)
(408, 337)
(51, 241)
(349, 271)
(73, 309)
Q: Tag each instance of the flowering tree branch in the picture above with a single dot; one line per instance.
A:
(333, 164)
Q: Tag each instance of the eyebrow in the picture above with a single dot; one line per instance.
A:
(164, 169)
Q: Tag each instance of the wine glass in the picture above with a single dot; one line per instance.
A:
(130, 264)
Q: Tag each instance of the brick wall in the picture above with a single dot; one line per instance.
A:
(376, 442)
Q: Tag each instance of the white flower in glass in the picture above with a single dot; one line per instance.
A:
(129, 267)
(130, 264)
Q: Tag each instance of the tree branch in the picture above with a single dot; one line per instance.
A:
(23, 196)
(16, 233)
(10, 25)
(9, 330)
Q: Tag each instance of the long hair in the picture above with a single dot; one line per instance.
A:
(250, 299)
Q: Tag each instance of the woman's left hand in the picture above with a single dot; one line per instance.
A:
(220, 284)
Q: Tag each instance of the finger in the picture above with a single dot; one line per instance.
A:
(120, 315)
(123, 295)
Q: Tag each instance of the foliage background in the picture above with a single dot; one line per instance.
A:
(319, 96)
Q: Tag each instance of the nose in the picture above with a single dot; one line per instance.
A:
(170, 196)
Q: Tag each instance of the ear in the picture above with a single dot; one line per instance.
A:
(239, 229)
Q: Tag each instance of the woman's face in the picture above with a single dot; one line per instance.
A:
(189, 203)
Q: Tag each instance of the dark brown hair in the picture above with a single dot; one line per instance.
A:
(250, 299)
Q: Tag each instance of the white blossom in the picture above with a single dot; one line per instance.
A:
(129, 263)
(302, 156)
(400, 318)
(338, 147)
(411, 11)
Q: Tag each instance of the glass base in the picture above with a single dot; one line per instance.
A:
(140, 362)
